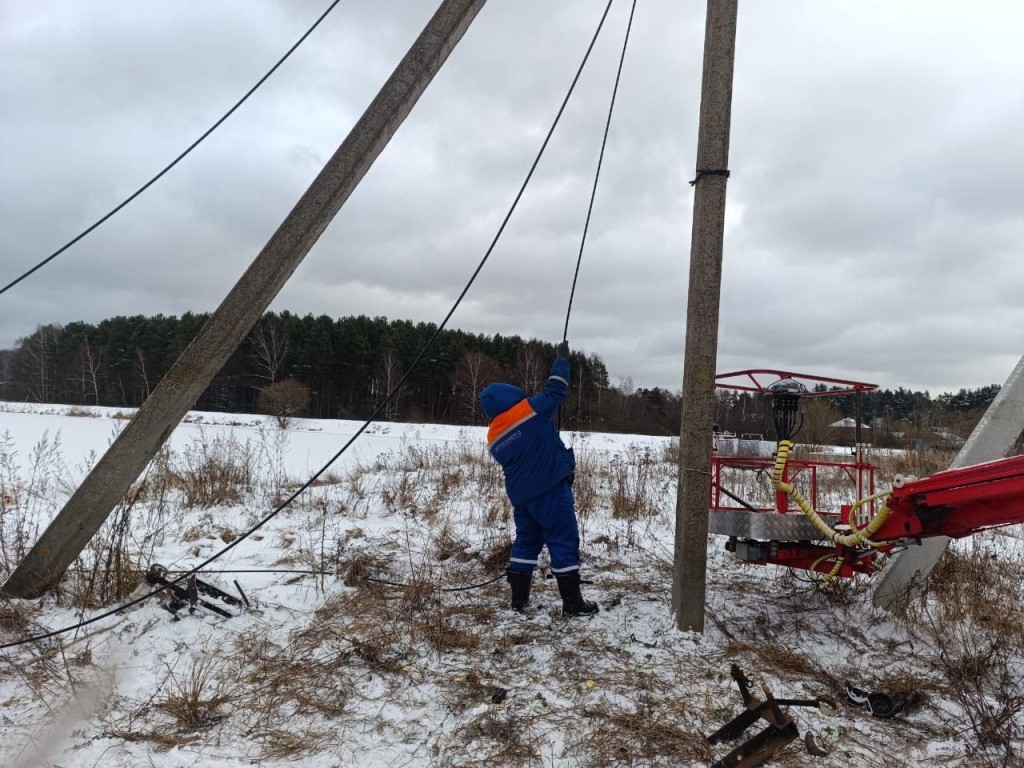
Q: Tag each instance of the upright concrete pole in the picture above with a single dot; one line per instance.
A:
(689, 583)
(190, 375)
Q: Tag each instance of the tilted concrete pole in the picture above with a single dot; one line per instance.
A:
(120, 466)
(689, 583)
(991, 439)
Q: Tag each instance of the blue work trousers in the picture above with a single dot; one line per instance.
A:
(547, 519)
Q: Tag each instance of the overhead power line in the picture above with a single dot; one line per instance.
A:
(379, 409)
(597, 173)
(176, 160)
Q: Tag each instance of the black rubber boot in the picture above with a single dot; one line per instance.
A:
(520, 583)
(573, 603)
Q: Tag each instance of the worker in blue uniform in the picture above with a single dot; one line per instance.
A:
(539, 471)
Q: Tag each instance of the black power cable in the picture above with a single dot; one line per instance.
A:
(597, 174)
(465, 588)
(376, 412)
(303, 572)
(176, 160)
(593, 190)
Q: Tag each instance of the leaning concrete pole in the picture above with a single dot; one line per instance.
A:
(689, 583)
(996, 432)
(179, 390)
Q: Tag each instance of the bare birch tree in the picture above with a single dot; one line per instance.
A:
(474, 372)
(386, 379)
(531, 370)
(270, 350)
(38, 362)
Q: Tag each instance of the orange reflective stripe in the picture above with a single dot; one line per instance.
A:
(510, 419)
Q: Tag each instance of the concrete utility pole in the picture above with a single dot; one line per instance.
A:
(689, 583)
(191, 374)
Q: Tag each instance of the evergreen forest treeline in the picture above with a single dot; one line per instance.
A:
(293, 365)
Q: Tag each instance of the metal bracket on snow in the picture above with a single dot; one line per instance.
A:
(187, 594)
(781, 728)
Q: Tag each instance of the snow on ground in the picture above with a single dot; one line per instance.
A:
(342, 670)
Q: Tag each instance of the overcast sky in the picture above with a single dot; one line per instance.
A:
(875, 226)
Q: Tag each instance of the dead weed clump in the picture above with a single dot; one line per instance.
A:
(782, 661)
(648, 736)
(453, 629)
(632, 495)
(975, 638)
(29, 495)
(499, 737)
(163, 740)
(14, 618)
(585, 488)
(280, 744)
(214, 473)
(916, 463)
(354, 570)
(462, 692)
(973, 587)
(196, 697)
(401, 495)
(369, 625)
(111, 566)
(306, 675)
(448, 544)
(496, 556)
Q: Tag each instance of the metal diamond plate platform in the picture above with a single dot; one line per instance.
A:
(766, 526)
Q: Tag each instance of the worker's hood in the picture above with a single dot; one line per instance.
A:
(498, 398)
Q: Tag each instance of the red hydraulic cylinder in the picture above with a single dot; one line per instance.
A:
(958, 502)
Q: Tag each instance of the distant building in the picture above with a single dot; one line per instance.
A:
(847, 423)
(948, 436)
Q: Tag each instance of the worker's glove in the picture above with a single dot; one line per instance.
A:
(562, 350)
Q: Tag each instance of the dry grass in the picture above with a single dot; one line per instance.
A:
(464, 691)
(783, 661)
(111, 566)
(975, 639)
(499, 737)
(917, 463)
(214, 473)
(196, 697)
(14, 618)
(282, 744)
(448, 544)
(592, 692)
(632, 495)
(162, 739)
(651, 735)
(454, 628)
(495, 557)
(77, 411)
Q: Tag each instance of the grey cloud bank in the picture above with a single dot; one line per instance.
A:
(875, 208)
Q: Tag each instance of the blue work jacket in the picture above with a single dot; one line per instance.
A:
(522, 436)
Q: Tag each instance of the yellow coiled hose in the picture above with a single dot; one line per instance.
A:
(859, 536)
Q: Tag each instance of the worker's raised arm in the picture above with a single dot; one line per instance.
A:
(546, 402)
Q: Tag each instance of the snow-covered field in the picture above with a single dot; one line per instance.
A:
(336, 668)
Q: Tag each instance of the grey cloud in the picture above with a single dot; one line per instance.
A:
(874, 209)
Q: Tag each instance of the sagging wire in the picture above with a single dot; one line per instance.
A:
(380, 407)
(438, 589)
(597, 173)
(593, 189)
(176, 160)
